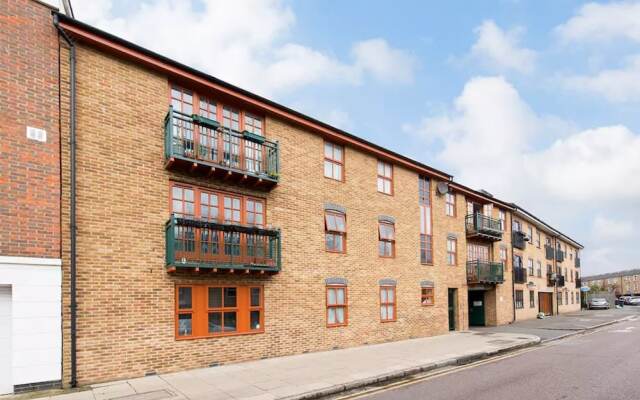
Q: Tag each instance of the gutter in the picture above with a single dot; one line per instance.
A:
(72, 196)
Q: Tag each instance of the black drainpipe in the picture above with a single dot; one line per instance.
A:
(72, 195)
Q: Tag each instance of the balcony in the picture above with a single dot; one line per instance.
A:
(548, 251)
(518, 239)
(555, 279)
(519, 275)
(202, 147)
(577, 262)
(198, 245)
(480, 226)
(485, 272)
(559, 255)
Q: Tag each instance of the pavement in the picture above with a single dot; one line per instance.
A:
(597, 365)
(311, 375)
(553, 328)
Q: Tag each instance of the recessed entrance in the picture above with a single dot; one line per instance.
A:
(476, 308)
(545, 303)
(453, 305)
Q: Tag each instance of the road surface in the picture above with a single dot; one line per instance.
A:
(600, 365)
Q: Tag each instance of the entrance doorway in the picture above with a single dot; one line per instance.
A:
(453, 306)
(545, 303)
(476, 308)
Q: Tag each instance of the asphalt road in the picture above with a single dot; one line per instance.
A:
(600, 365)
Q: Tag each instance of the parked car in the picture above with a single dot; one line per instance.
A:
(625, 299)
(598, 303)
(634, 301)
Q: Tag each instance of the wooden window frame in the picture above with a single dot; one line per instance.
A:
(384, 178)
(393, 304)
(532, 299)
(334, 161)
(427, 293)
(426, 220)
(342, 234)
(502, 217)
(200, 311)
(450, 205)
(454, 252)
(344, 305)
(392, 241)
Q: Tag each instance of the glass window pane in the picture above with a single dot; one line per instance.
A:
(387, 186)
(331, 296)
(328, 150)
(229, 322)
(340, 315)
(229, 297)
(177, 192)
(383, 312)
(215, 322)
(340, 296)
(188, 195)
(390, 312)
(184, 325)
(339, 223)
(380, 185)
(331, 316)
(177, 206)
(255, 297)
(215, 297)
(383, 295)
(338, 243)
(184, 297)
(254, 322)
(328, 169)
(380, 168)
(337, 172)
(337, 153)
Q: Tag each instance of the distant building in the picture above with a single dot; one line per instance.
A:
(620, 283)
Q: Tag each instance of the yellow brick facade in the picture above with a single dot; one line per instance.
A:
(126, 297)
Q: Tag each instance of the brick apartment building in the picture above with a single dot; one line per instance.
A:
(215, 226)
(620, 283)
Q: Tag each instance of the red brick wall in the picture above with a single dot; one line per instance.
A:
(29, 170)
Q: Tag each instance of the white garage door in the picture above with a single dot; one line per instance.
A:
(6, 384)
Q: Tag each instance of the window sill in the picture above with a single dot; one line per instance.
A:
(337, 326)
(220, 335)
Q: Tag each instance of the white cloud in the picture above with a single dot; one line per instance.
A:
(606, 229)
(615, 85)
(252, 51)
(501, 49)
(490, 138)
(602, 22)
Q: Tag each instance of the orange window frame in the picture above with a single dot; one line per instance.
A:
(427, 297)
(384, 178)
(453, 253)
(450, 204)
(336, 233)
(344, 305)
(220, 106)
(384, 240)
(200, 311)
(388, 303)
(333, 161)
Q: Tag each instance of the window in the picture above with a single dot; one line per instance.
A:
(336, 306)
(205, 311)
(333, 161)
(231, 118)
(503, 256)
(387, 303)
(538, 239)
(424, 199)
(252, 124)
(549, 269)
(532, 299)
(451, 251)
(517, 261)
(450, 204)
(503, 219)
(539, 270)
(335, 231)
(530, 233)
(386, 239)
(572, 299)
(385, 177)
(519, 299)
(559, 298)
(566, 298)
(530, 267)
(426, 297)
(516, 227)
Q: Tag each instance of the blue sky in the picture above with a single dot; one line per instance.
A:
(535, 101)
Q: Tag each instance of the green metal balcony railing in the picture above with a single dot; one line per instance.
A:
(479, 225)
(485, 272)
(548, 252)
(519, 275)
(195, 142)
(559, 255)
(518, 240)
(207, 245)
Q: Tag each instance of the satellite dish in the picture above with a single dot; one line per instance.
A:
(443, 187)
